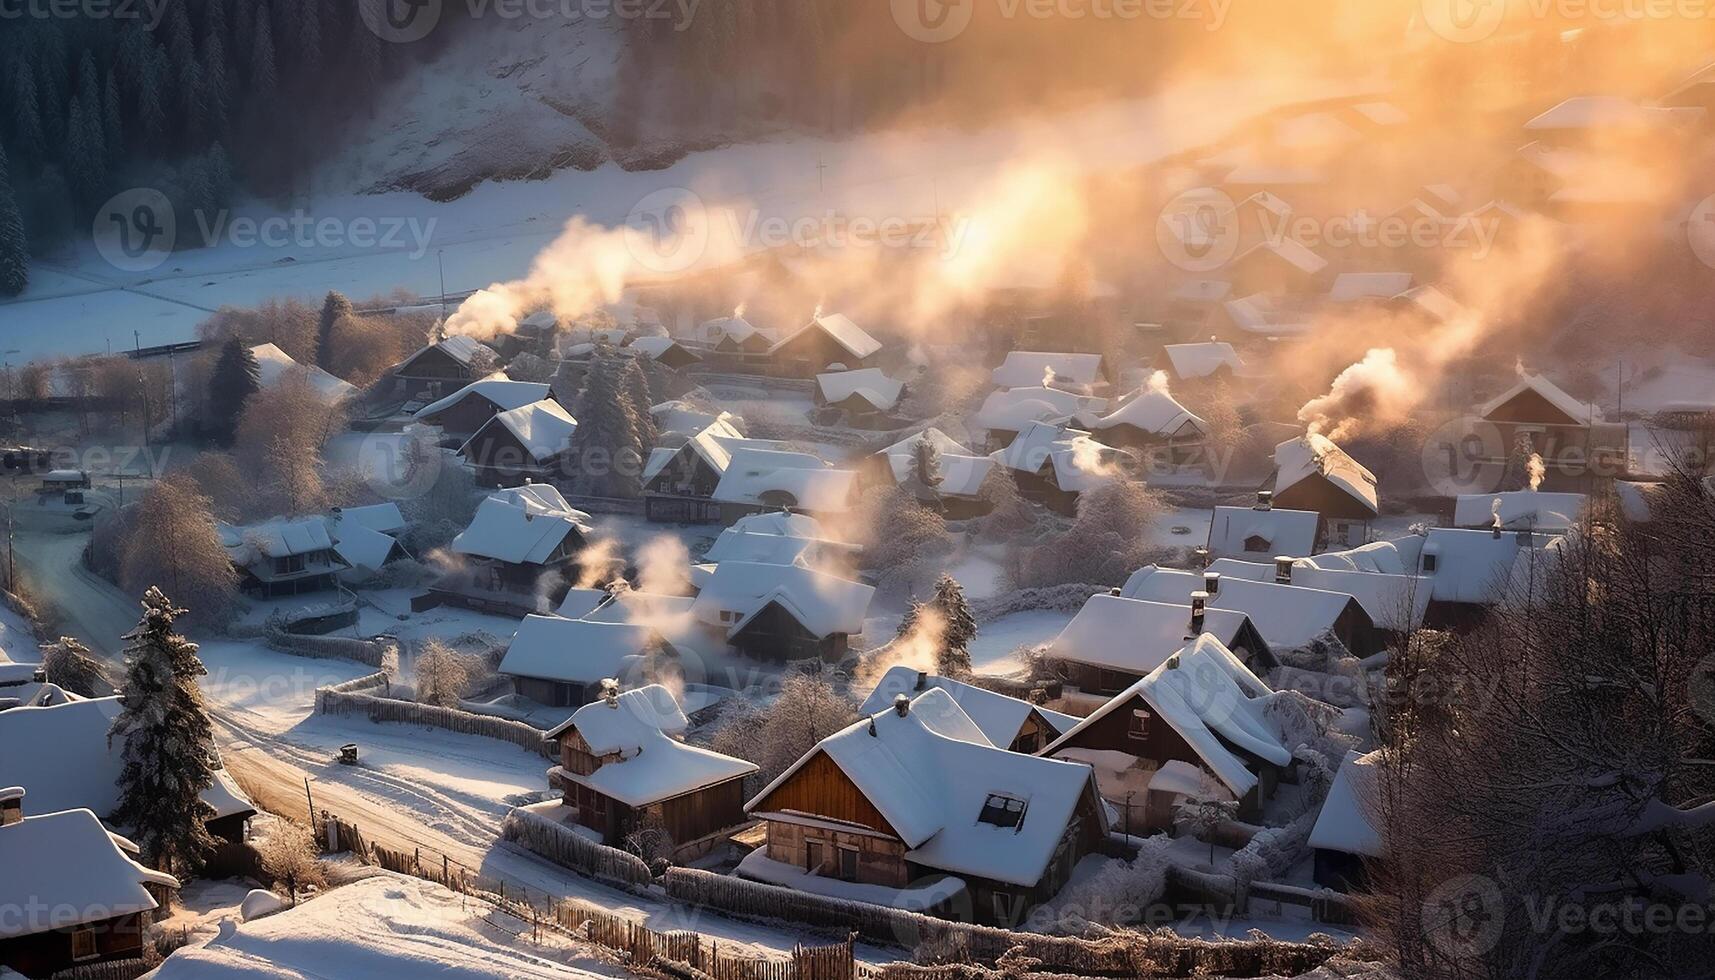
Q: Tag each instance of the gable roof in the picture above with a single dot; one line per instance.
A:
(682, 417)
(61, 754)
(1191, 361)
(1519, 510)
(1014, 408)
(1287, 616)
(1135, 635)
(274, 363)
(1579, 412)
(1034, 369)
(1313, 454)
(712, 445)
(655, 347)
(499, 390)
(459, 347)
(638, 726)
(543, 428)
(930, 772)
(1345, 823)
(1215, 704)
(996, 715)
(735, 327)
(871, 384)
(1289, 250)
(1151, 410)
(361, 548)
(64, 869)
(1284, 532)
(823, 604)
(574, 650)
(383, 517)
(809, 481)
(521, 525)
(1393, 602)
(842, 330)
(278, 538)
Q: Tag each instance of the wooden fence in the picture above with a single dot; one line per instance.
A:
(352, 695)
(377, 653)
(569, 849)
(129, 969)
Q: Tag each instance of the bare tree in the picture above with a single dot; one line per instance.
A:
(442, 673)
(289, 854)
(173, 543)
(808, 710)
(68, 664)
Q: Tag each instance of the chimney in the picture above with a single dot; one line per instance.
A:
(1212, 583)
(1265, 500)
(1116, 591)
(11, 805)
(610, 692)
(1201, 554)
(902, 704)
(1496, 529)
(1199, 605)
(922, 680)
(1283, 570)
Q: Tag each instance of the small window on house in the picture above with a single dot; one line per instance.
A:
(1257, 543)
(848, 863)
(1429, 563)
(1139, 728)
(83, 943)
(1002, 811)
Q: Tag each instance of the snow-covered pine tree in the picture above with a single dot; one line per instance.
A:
(637, 393)
(168, 743)
(236, 377)
(28, 141)
(334, 307)
(925, 477)
(14, 250)
(958, 628)
(606, 446)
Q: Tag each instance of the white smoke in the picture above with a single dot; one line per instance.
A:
(1376, 389)
(663, 566)
(1537, 469)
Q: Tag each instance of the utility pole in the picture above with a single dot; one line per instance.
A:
(821, 168)
(441, 266)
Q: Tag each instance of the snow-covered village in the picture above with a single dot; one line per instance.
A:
(807, 490)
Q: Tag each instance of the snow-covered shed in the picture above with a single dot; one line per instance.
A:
(464, 411)
(74, 893)
(1051, 369)
(1519, 510)
(526, 443)
(1201, 706)
(624, 765)
(916, 790)
(734, 335)
(1263, 532)
(1570, 435)
(782, 612)
(1345, 837)
(1008, 722)
(1113, 642)
(562, 662)
(1289, 616)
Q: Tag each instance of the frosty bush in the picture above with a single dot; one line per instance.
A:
(896, 530)
(289, 854)
(1095, 900)
(442, 674)
(68, 664)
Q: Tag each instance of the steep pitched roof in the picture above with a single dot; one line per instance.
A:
(543, 428)
(996, 715)
(823, 604)
(1215, 704)
(843, 331)
(638, 725)
(501, 391)
(680, 416)
(1572, 408)
(871, 384)
(459, 347)
(521, 525)
(64, 869)
(1134, 635)
(1297, 460)
(930, 773)
(274, 363)
(1346, 822)
(1287, 616)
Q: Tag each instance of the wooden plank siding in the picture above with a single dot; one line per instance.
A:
(822, 788)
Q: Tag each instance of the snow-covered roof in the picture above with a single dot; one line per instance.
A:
(1352, 287)
(1203, 359)
(459, 347)
(1278, 532)
(1289, 250)
(1603, 112)
(1688, 386)
(930, 773)
(1393, 602)
(824, 604)
(856, 342)
(363, 548)
(781, 522)
(1269, 315)
(735, 327)
(580, 650)
(1014, 408)
(654, 347)
(962, 475)
(682, 417)
(1637, 499)
(64, 869)
(504, 393)
(653, 766)
(1345, 823)
(1519, 510)
(521, 525)
(1151, 410)
(579, 603)
(1134, 635)
(1033, 369)
(1579, 412)
(1078, 462)
(1473, 566)
(878, 389)
(806, 479)
(279, 538)
(543, 428)
(61, 754)
(273, 365)
(1433, 302)
(1215, 704)
(767, 549)
(1313, 454)
(997, 716)
(384, 517)
(1287, 616)
(712, 444)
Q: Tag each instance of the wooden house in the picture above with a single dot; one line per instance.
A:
(1054, 465)
(959, 493)
(679, 481)
(665, 351)
(1006, 413)
(284, 557)
(1201, 708)
(460, 414)
(1344, 840)
(1216, 360)
(527, 444)
(1311, 473)
(1152, 422)
(563, 662)
(828, 342)
(782, 612)
(1113, 642)
(1007, 722)
(441, 368)
(915, 800)
(1578, 448)
(864, 397)
(624, 766)
(1283, 266)
(521, 548)
(73, 893)
(734, 335)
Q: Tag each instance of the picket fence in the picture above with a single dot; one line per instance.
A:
(352, 696)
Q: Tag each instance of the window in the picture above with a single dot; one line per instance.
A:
(1258, 544)
(813, 855)
(1139, 728)
(1002, 811)
(728, 616)
(289, 564)
(1429, 562)
(83, 943)
(848, 863)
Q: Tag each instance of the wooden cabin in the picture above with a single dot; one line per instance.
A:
(524, 445)
(284, 557)
(441, 368)
(782, 612)
(1312, 473)
(826, 341)
(460, 414)
(522, 547)
(1578, 448)
(1114, 642)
